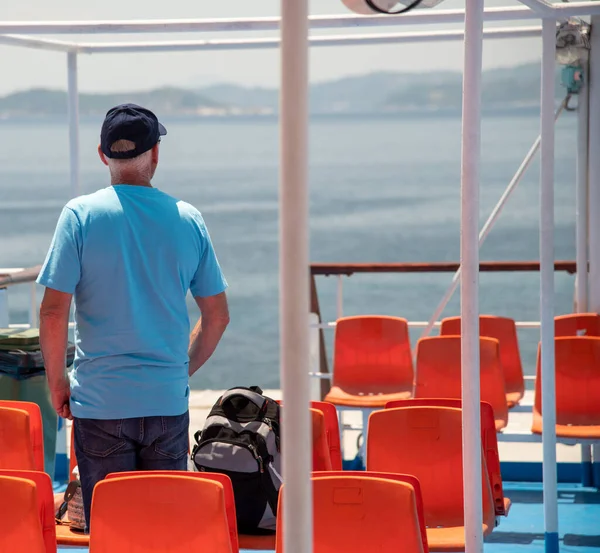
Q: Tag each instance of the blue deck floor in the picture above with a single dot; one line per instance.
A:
(523, 529)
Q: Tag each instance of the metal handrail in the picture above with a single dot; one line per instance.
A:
(347, 269)
(16, 276)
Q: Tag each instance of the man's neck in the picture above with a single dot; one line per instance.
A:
(132, 182)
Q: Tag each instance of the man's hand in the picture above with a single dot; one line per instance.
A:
(60, 400)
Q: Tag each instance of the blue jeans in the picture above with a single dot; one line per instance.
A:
(146, 443)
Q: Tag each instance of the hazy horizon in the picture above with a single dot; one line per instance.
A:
(28, 68)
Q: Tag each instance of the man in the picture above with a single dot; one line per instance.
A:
(129, 253)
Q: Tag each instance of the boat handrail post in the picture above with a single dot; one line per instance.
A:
(73, 110)
(340, 296)
(4, 308)
(547, 285)
(295, 277)
(469, 260)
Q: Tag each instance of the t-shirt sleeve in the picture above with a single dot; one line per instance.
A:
(208, 279)
(62, 268)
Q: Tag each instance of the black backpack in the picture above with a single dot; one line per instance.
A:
(241, 439)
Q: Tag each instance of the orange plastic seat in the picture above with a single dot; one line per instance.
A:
(427, 443)
(159, 513)
(408, 478)
(45, 505)
(354, 515)
(223, 479)
(577, 362)
(577, 324)
(332, 431)
(439, 372)
(320, 448)
(504, 330)
(372, 362)
(489, 442)
(16, 450)
(20, 525)
(35, 427)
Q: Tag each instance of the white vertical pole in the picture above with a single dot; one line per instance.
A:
(340, 296)
(547, 285)
(33, 308)
(581, 229)
(594, 195)
(469, 289)
(581, 210)
(73, 108)
(4, 308)
(294, 277)
(594, 170)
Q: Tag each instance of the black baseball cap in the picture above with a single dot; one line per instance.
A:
(130, 122)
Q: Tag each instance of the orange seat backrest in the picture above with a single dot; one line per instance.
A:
(320, 447)
(159, 513)
(439, 371)
(489, 441)
(577, 362)
(372, 353)
(20, 525)
(352, 513)
(223, 479)
(504, 330)
(408, 478)
(16, 450)
(332, 430)
(35, 427)
(427, 443)
(45, 497)
(577, 324)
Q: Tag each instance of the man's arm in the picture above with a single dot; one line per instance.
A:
(54, 328)
(207, 333)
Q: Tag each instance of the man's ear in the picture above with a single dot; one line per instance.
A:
(155, 154)
(102, 156)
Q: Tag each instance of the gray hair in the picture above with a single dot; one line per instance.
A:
(140, 165)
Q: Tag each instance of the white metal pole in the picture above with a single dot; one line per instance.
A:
(73, 108)
(294, 277)
(340, 296)
(4, 308)
(581, 229)
(469, 254)
(33, 308)
(581, 210)
(487, 227)
(547, 285)
(594, 170)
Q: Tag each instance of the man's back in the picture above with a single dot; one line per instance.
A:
(130, 254)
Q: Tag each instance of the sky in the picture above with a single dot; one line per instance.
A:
(22, 68)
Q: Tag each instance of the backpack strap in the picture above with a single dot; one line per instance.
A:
(258, 400)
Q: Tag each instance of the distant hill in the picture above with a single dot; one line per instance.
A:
(166, 101)
(372, 93)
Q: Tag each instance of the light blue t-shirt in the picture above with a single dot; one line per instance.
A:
(129, 254)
